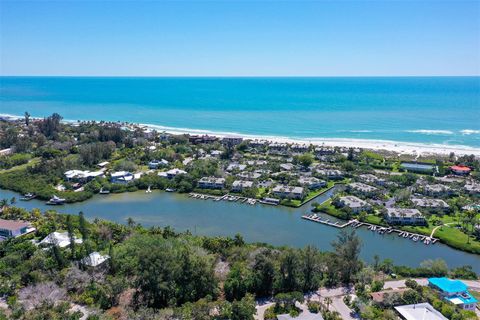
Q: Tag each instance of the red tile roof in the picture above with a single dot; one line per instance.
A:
(460, 168)
(13, 224)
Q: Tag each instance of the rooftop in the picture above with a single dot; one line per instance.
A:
(448, 285)
(13, 224)
(423, 311)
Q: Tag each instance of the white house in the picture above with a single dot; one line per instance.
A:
(94, 259)
(288, 192)
(419, 311)
(404, 216)
(312, 182)
(240, 185)
(355, 204)
(211, 183)
(121, 177)
(60, 239)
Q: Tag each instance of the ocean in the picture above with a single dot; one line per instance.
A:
(427, 110)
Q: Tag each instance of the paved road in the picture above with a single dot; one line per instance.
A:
(339, 306)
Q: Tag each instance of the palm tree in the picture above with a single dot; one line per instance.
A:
(328, 302)
(27, 118)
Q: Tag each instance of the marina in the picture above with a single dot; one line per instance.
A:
(372, 227)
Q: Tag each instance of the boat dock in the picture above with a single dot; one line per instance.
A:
(226, 197)
(372, 227)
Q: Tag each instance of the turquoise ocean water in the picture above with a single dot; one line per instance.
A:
(432, 110)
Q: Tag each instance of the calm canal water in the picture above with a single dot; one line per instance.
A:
(257, 223)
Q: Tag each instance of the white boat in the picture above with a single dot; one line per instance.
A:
(104, 191)
(55, 201)
(148, 190)
(170, 190)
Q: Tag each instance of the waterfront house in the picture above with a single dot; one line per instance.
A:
(278, 148)
(265, 183)
(82, 176)
(232, 140)
(418, 167)
(419, 311)
(14, 228)
(291, 192)
(94, 260)
(355, 204)
(454, 291)
(240, 185)
(437, 190)
(172, 173)
(299, 148)
(60, 239)
(312, 182)
(211, 183)
(362, 188)
(155, 164)
(460, 170)
(404, 216)
(437, 204)
(122, 177)
(197, 139)
(324, 151)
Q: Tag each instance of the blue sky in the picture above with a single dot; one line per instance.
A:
(239, 38)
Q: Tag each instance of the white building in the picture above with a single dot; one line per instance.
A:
(362, 188)
(419, 311)
(94, 259)
(60, 239)
(404, 216)
(211, 183)
(355, 204)
(288, 192)
(240, 185)
(312, 182)
(121, 177)
(14, 228)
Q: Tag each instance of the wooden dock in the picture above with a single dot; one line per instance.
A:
(373, 227)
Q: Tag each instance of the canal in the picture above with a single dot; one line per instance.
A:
(276, 225)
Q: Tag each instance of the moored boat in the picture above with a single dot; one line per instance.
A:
(55, 201)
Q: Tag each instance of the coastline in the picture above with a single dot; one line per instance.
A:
(399, 147)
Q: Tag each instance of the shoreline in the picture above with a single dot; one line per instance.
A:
(400, 147)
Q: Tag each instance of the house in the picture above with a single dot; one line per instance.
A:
(286, 166)
(437, 189)
(121, 177)
(196, 139)
(80, 175)
(302, 316)
(454, 291)
(236, 166)
(232, 140)
(240, 185)
(419, 311)
(211, 183)
(14, 228)
(154, 164)
(460, 170)
(430, 204)
(472, 188)
(103, 164)
(94, 259)
(278, 148)
(404, 216)
(324, 151)
(355, 204)
(362, 188)
(249, 175)
(330, 173)
(60, 239)
(312, 182)
(172, 173)
(418, 167)
(216, 153)
(6, 152)
(288, 192)
(373, 179)
(299, 148)
(265, 183)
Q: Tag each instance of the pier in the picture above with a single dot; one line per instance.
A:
(226, 197)
(354, 223)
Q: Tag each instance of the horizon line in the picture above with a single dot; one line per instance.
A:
(239, 76)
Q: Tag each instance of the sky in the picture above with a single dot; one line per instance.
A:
(239, 38)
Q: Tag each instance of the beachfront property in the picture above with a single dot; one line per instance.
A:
(454, 291)
(236, 167)
(14, 228)
(211, 183)
(155, 164)
(60, 239)
(121, 177)
(82, 176)
(460, 170)
(437, 190)
(299, 148)
(240, 185)
(362, 188)
(204, 139)
(425, 203)
(418, 167)
(355, 204)
(419, 311)
(290, 192)
(404, 216)
(232, 141)
(372, 179)
(95, 260)
(312, 182)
